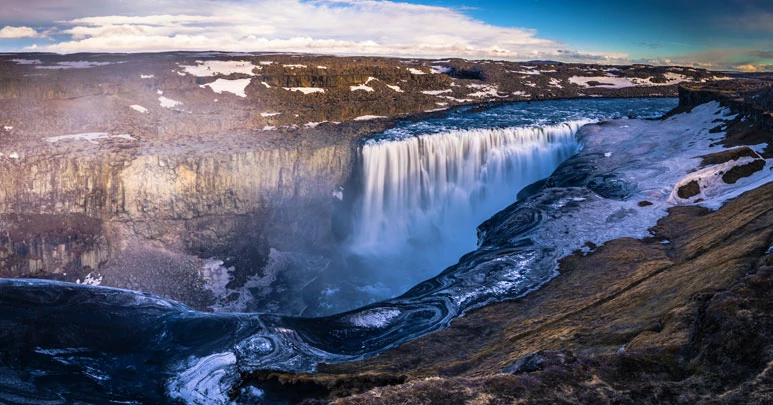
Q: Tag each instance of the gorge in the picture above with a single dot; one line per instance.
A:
(199, 218)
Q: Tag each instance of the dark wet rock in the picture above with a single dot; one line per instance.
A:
(540, 360)
(739, 172)
(688, 190)
(729, 155)
(608, 186)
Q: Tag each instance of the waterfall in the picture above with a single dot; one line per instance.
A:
(423, 196)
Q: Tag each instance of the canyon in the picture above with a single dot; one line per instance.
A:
(133, 170)
(185, 175)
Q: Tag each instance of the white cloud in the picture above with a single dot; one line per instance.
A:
(17, 32)
(315, 26)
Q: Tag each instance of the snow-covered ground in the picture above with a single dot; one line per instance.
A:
(616, 82)
(90, 137)
(81, 64)
(168, 102)
(306, 90)
(368, 117)
(220, 67)
(235, 86)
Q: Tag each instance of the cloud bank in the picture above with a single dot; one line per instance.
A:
(343, 27)
(11, 32)
(365, 27)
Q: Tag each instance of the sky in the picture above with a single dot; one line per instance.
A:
(712, 34)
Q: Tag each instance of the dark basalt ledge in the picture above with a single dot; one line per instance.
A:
(635, 321)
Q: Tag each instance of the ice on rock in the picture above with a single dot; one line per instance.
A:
(376, 318)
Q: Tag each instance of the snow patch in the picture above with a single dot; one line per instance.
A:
(296, 66)
(306, 90)
(368, 117)
(27, 61)
(168, 102)
(81, 64)
(91, 279)
(416, 71)
(236, 86)
(7, 127)
(484, 90)
(614, 82)
(139, 108)
(710, 181)
(525, 72)
(395, 88)
(13, 155)
(362, 87)
(437, 69)
(458, 100)
(220, 67)
(147, 76)
(90, 137)
(268, 114)
(436, 92)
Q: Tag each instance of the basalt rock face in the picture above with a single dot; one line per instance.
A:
(132, 170)
(229, 205)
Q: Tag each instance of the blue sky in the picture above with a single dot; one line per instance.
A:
(729, 34)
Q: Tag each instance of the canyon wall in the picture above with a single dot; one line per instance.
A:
(65, 215)
(133, 170)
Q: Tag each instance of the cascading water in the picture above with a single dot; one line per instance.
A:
(423, 196)
(417, 196)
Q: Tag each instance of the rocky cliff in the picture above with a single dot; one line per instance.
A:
(131, 170)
